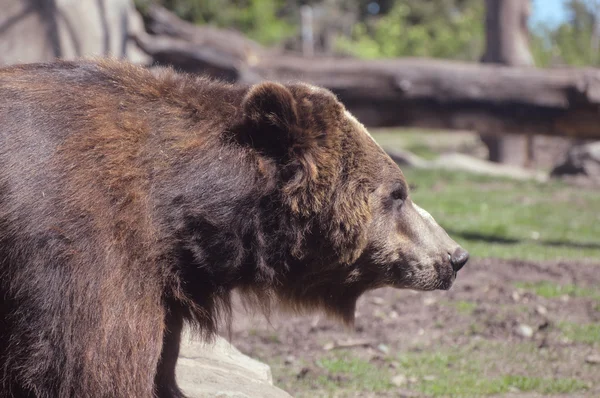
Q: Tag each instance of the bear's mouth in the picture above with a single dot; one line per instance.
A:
(446, 276)
(437, 276)
(446, 283)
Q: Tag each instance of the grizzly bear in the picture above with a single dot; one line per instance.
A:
(132, 201)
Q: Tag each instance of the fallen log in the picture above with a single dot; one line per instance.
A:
(407, 92)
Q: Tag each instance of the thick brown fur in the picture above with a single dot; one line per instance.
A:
(132, 201)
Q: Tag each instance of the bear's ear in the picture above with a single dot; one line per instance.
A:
(270, 119)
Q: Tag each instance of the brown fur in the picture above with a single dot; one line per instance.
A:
(132, 200)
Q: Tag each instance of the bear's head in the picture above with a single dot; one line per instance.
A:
(353, 224)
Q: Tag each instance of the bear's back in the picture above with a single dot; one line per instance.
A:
(81, 143)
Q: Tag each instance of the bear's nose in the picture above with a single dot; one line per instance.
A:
(459, 258)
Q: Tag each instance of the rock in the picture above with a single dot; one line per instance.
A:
(406, 158)
(290, 359)
(399, 380)
(429, 301)
(383, 348)
(462, 162)
(540, 309)
(329, 346)
(580, 160)
(302, 374)
(220, 370)
(524, 331)
(593, 359)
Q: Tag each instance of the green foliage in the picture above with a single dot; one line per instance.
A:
(437, 28)
(261, 20)
(452, 29)
(570, 43)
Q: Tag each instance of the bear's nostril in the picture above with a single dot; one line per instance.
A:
(459, 258)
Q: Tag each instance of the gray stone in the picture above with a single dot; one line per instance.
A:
(581, 160)
(593, 359)
(462, 162)
(220, 370)
(524, 331)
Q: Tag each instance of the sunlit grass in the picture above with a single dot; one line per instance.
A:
(501, 218)
(447, 372)
(468, 371)
(553, 290)
(588, 333)
(497, 217)
(354, 373)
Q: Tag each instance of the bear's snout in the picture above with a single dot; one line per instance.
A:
(459, 258)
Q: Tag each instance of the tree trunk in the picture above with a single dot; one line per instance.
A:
(507, 44)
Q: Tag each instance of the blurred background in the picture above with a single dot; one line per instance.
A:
(491, 108)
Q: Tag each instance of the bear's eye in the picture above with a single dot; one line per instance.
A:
(398, 195)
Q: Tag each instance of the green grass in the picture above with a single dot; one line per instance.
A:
(463, 307)
(467, 371)
(470, 372)
(582, 333)
(355, 374)
(544, 386)
(553, 290)
(494, 217)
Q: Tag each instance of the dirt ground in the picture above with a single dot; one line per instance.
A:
(492, 325)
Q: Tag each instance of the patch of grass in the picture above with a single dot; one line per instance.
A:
(544, 386)
(553, 290)
(482, 368)
(496, 217)
(447, 373)
(469, 372)
(464, 307)
(588, 333)
(347, 371)
(499, 217)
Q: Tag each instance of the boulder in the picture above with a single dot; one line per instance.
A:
(581, 160)
(462, 162)
(220, 370)
(469, 164)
